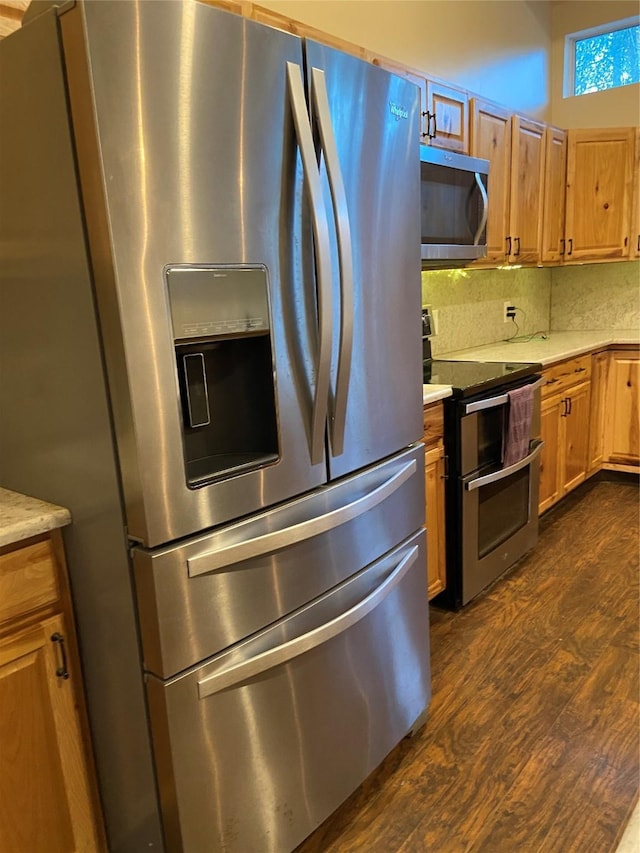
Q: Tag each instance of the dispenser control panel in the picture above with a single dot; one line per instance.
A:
(208, 302)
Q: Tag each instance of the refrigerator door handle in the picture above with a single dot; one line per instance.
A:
(285, 652)
(338, 415)
(298, 530)
(323, 257)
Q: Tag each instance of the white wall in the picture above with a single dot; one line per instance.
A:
(613, 108)
(498, 49)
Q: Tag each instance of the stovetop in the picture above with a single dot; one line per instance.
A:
(472, 377)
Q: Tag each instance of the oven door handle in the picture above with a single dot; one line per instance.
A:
(492, 402)
(506, 472)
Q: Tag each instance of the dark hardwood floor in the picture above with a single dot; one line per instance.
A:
(532, 739)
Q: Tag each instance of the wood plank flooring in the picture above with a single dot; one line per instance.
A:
(532, 741)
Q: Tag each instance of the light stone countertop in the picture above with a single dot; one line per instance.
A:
(433, 393)
(556, 346)
(22, 516)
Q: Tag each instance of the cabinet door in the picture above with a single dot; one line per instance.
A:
(555, 180)
(635, 214)
(550, 458)
(597, 420)
(434, 496)
(622, 440)
(44, 786)
(449, 116)
(491, 139)
(576, 436)
(527, 170)
(599, 178)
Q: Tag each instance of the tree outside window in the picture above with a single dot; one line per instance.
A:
(605, 59)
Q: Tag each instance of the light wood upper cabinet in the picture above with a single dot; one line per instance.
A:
(599, 178)
(447, 116)
(555, 182)
(11, 12)
(490, 127)
(527, 175)
(515, 149)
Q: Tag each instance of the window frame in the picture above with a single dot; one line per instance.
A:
(570, 40)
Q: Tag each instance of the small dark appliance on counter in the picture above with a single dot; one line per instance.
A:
(491, 505)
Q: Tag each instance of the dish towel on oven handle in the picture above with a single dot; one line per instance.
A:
(516, 444)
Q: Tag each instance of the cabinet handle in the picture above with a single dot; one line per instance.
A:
(445, 461)
(565, 401)
(570, 252)
(570, 405)
(638, 246)
(517, 251)
(435, 126)
(508, 239)
(62, 671)
(580, 370)
(562, 246)
(551, 381)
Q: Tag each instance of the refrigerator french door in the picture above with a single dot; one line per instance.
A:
(207, 176)
(227, 282)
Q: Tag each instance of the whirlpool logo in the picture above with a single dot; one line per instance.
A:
(398, 111)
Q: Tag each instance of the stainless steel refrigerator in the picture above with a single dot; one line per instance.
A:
(210, 352)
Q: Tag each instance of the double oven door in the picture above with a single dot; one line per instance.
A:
(493, 509)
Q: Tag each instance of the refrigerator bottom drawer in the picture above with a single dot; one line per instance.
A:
(254, 749)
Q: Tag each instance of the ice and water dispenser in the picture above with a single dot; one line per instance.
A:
(226, 376)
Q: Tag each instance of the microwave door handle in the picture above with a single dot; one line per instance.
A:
(338, 414)
(485, 209)
(503, 473)
(323, 257)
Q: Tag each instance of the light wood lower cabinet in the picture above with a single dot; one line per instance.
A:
(590, 420)
(48, 803)
(622, 423)
(597, 419)
(565, 416)
(434, 479)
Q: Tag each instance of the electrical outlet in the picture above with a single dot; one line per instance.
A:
(509, 311)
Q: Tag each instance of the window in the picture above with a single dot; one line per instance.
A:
(602, 58)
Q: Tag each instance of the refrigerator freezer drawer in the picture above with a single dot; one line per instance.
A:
(198, 598)
(257, 747)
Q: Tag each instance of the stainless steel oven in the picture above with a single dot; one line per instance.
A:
(491, 507)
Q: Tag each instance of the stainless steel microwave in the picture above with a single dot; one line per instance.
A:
(454, 206)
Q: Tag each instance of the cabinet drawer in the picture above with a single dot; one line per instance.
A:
(567, 373)
(433, 418)
(27, 578)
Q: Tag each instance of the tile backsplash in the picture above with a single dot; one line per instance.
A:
(469, 304)
(596, 296)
